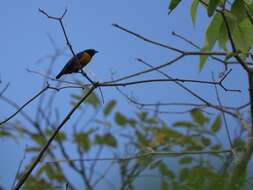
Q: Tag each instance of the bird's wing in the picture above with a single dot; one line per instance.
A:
(72, 64)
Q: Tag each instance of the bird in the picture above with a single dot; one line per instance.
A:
(73, 65)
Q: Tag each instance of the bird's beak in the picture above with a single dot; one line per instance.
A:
(96, 51)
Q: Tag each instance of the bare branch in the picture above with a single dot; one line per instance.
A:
(223, 114)
(144, 156)
(4, 90)
(45, 147)
(209, 104)
(23, 106)
(185, 53)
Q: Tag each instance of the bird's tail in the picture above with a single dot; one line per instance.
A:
(59, 75)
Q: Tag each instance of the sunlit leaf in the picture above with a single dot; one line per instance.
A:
(194, 8)
(211, 36)
(5, 133)
(243, 36)
(39, 139)
(212, 7)
(106, 139)
(186, 124)
(34, 183)
(199, 117)
(216, 124)
(160, 137)
(223, 32)
(83, 140)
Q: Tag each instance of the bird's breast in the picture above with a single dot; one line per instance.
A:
(85, 58)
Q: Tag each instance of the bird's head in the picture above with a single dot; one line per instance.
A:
(91, 51)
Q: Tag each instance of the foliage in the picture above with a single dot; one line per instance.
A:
(148, 140)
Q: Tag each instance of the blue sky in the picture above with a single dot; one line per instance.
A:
(24, 39)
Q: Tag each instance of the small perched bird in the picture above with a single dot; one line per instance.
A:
(73, 65)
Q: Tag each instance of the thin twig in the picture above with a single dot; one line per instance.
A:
(19, 168)
(24, 105)
(144, 156)
(184, 53)
(209, 104)
(223, 114)
(4, 89)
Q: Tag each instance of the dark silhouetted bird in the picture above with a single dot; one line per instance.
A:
(73, 65)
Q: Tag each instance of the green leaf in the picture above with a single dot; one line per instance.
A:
(93, 100)
(212, 7)
(132, 122)
(173, 4)
(238, 9)
(34, 183)
(83, 140)
(106, 139)
(206, 141)
(4, 133)
(52, 173)
(194, 8)
(184, 173)
(243, 36)
(230, 55)
(216, 124)
(38, 139)
(155, 164)
(211, 36)
(120, 119)
(187, 124)
(216, 147)
(109, 107)
(223, 36)
(33, 149)
(165, 171)
(199, 117)
(186, 160)
(61, 136)
(164, 185)
(239, 144)
(143, 115)
(142, 139)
